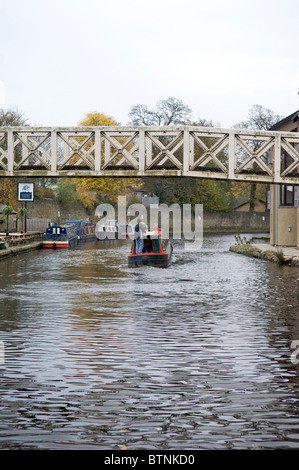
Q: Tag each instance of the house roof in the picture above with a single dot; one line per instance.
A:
(242, 201)
(292, 117)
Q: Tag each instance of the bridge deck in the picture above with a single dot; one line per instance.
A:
(202, 152)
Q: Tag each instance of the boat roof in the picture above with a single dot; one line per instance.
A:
(76, 222)
(61, 226)
(66, 225)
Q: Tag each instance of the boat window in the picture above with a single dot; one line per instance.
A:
(58, 230)
(147, 245)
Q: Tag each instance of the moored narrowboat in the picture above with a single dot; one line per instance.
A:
(150, 250)
(60, 237)
(108, 230)
(85, 230)
(112, 230)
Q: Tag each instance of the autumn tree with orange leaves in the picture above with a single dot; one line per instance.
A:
(8, 192)
(107, 188)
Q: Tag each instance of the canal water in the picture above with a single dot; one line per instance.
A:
(100, 356)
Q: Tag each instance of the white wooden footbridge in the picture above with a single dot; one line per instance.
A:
(234, 154)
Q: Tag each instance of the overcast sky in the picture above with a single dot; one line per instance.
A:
(61, 59)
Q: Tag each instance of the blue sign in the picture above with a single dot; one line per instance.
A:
(25, 192)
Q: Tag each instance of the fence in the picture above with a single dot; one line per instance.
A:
(37, 225)
(15, 239)
(244, 155)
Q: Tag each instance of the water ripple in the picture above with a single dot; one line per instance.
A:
(196, 356)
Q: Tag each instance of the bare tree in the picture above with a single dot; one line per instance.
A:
(141, 116)
(202, 122)
(12, 117)
(171, 111)
(259, 118)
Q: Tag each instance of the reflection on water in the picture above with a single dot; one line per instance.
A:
(196, 356)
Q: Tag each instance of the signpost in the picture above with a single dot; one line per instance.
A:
(25, 193)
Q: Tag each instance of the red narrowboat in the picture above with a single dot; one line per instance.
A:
(150, 250)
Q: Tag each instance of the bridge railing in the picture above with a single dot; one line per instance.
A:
(235, 154)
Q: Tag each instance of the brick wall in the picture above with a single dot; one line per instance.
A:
(237, 221)
(53, 210)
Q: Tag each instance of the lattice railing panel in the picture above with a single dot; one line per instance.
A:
(209, 152)
(75, 150)
(290, 157)
(32, 150)
(120, 150)
(253, 154)
(3, 151)
(164, 150)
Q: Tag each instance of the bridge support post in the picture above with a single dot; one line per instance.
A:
(277, 157)
(53, 153)
(141, 151)
(10, 152)
(186, 155)
(277, 178)
(231, 155)
(97, 152)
